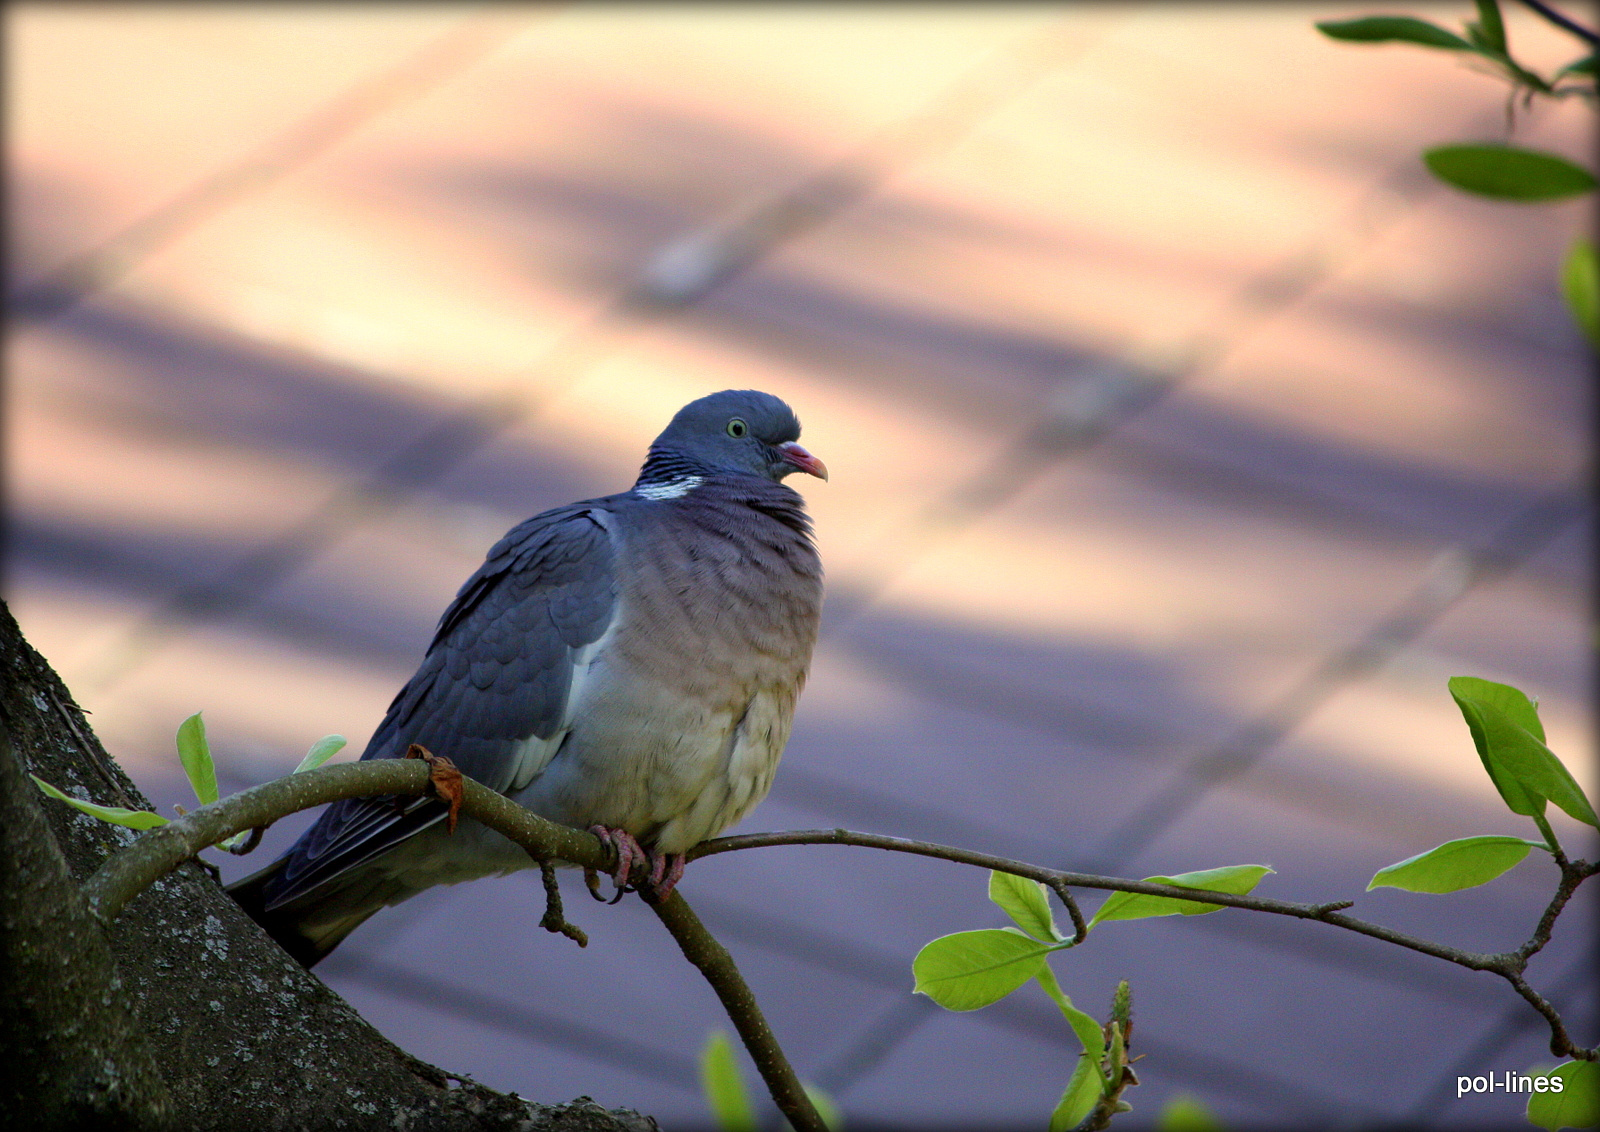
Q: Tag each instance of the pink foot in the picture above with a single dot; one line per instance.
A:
(629, 852)
(666, 870)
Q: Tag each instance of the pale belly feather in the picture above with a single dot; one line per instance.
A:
(670, 769)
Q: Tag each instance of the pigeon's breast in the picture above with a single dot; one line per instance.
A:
(721, 596)
(686, 709)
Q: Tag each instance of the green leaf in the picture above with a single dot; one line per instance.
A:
(321, 751)
(1510, 740)
(1577, 1105)
(1027, 902)
(196, 756)
(1393, 29)
(1090, 1033)
(1185, 1114)
(1238, 879)
(1580, 284)
(969, 970)
(1588, 65)
(1083, 1091)
(726, 1096)
(1506, 172)
(1520, 74)
(133, 819)
(1512, 701)
(1490, 28)
(1455, 865)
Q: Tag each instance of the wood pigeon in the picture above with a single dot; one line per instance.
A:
(627, 664)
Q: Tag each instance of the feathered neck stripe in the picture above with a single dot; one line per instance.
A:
(664, 465)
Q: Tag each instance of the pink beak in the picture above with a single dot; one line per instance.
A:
(803, 460)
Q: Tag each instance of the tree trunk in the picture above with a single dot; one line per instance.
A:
(182, 1014)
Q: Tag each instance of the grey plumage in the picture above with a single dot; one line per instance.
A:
(631, 662)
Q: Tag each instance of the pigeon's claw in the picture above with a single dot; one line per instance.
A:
(666, 870)
(663, 871)
(629, 853)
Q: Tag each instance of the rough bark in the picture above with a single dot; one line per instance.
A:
(71, 1045)
(204, 1022)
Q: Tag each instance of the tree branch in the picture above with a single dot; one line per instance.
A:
(1080, 929)
(1573, 873)
(127, 873)
(1561, 1044)
(1508, 965)
(714, 962)
(1564, 22)
(75, 1050)
(1327, 912)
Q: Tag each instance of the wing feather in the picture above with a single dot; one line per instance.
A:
(491, 693)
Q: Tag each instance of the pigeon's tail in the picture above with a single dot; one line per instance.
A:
(302, 928)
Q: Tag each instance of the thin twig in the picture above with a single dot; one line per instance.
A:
(1509, 965)
(99, 767)
(1565, 22)
(1561, 1044)
(1327, 912)
(714, 962)
(1573, 873)
(555, 919)
(250, 843)
(1080, 928)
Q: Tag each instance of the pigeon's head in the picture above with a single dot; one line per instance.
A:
(741, 430)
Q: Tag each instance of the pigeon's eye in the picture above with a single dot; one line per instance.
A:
(737, 428)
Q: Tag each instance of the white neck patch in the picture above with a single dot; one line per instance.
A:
(672, 489)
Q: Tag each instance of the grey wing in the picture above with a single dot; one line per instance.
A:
(492, 693)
